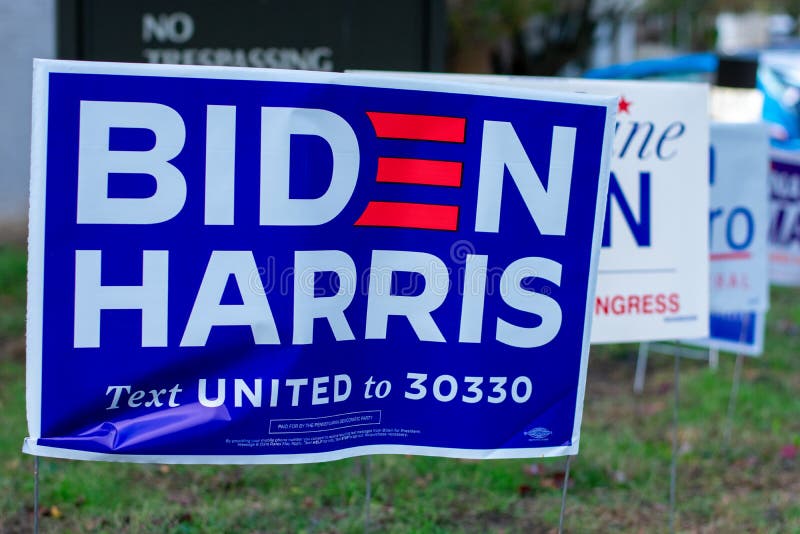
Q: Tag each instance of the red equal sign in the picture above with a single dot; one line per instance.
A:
(418, 127)
(419, 171)
(415, 171)
(740, 255)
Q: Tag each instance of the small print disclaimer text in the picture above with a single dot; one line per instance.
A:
(321, 424)
(318, 439)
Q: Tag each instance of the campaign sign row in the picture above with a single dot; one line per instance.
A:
(671, 203)
(253, 266)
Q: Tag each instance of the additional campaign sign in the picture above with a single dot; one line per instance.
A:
(784, 228)
(738, 238)
(738, 217)
(653, 278)
(251, 266)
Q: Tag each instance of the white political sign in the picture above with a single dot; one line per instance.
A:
(738, 218)
(653, 278)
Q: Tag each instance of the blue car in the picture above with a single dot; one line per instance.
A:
(778, 79)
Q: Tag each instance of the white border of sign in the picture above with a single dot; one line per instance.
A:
(41, 72)
(756, 348)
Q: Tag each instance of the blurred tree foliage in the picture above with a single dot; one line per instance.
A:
(693, 25)
(521, 36)
(712, 7)
(541, 37)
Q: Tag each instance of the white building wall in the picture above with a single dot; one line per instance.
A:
(27, 30)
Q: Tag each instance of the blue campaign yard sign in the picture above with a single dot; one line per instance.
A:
(254, 266)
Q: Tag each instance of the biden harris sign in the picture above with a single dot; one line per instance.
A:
(251, 266)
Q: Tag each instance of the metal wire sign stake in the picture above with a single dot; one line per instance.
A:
(368, 495)
(673, 472)
(564, 496)
(737, 377)
(35, 495)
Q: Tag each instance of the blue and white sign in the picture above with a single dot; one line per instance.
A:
(738, 225)
(254, 266)
(738, 217)
(784, 226)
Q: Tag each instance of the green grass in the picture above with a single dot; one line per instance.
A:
(620, 480)
(12, 292)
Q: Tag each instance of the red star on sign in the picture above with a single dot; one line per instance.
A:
(624, 106)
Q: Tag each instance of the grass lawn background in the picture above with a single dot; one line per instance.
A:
(619, 482)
